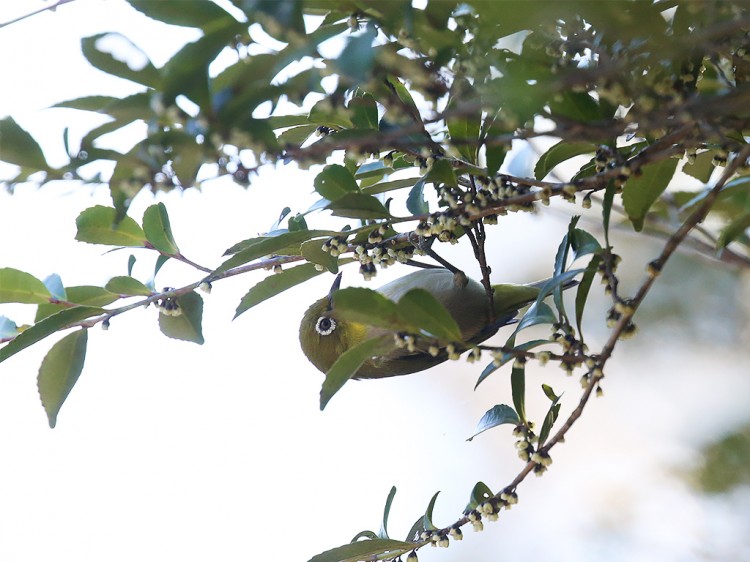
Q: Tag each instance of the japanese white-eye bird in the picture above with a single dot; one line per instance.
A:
(324, 336)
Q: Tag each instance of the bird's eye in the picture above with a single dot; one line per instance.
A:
(325, 325)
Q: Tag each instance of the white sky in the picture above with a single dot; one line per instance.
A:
(170, 451)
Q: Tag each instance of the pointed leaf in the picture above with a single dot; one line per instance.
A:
(312, 251)
(366, 306)
(59, 372)
(415, 202)
(552, 413)
(358, 206)
(480, 493)
(420, 308)
(507, 357)
(254, 248)
(348, 363)
(518, 389)
(185, 326)
(427, 522)
(85, 295)
(497, 415)
(49, 325)
(157, 229)
(98, 225)
(640, 192)
(124, 285)
(558, 154)
(105, 51)
(364, 550)
(583, 290)
(19, 286)
(386, 511)
(275, 284)
(19, 147)
(190, 13)
(733, 230)
(334, 182)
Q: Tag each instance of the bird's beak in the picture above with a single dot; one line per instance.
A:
(334, 288)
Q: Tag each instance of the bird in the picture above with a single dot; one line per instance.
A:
(325, 336)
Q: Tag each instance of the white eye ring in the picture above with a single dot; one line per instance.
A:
(325, 325)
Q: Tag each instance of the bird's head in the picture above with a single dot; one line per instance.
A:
(323, 336)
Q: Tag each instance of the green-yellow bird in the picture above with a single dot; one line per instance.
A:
(324, 336)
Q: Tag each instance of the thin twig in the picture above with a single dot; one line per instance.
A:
(52, 7)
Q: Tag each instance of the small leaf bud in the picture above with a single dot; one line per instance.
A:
(456, 533)
(412, 557)
(105, 324)
(277, 268)
(206, 287)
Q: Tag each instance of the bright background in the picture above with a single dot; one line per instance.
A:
(170, 451)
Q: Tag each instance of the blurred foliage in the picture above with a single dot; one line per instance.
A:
(726, 463)
(407, 116)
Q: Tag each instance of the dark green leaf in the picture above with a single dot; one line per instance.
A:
(365, 535)
(49, 325)
(427, 522)
(19, 147)
(138, 68)
(578, 106)
(19, 286)
(190, 13)
(255, 248)
(551, 417)
(125, 285)
(497, 415)
(559, 153)
(364, 111)
(356, 60)
(349, 362)
(442, 172)
(702, 167)
(480, 493)
(538, 313)
(59, 372)
(549, 392)
(157, 229)
(358, 206)
(403, 94)
(334, 182)
(85, 295)
(582, 243)
(386, 511)
(364, 550)
(98, 225)
(609, 197)
(131, 263)
(640, 192)
(187, 325)
(392, 185)
(507, 357)
(420, 308)
(275, 284)
(518, 389)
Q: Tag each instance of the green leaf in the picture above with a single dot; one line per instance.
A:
(275, 284)
(59, 372)
(109, 61)
(640, 192)
(442, 172)
(733, 230)
(85, 295)
(334, 182)
(518, 389)
(355, 62)
(420, 308)
(403, 94)
(19, 286)
(583, 290)
(125, 285)
(415, 202)
(8, 328)
(349, 362)
(702, 167)
(364, 111)
(559, 153)
(158, 231)
(538, 313)
(254, 248)
(49, 325)
(358, 206)
(582, 243)
(499, 414)
(19, 147)
(386, 511)
(190, 13)
(464, 124)
(98, 225)
(609, 197)
(578, 106)
(480, 493)
(427, 521)
(185, 326)
(312, 251)
(552, 413)
(385, 186)
(364, 550)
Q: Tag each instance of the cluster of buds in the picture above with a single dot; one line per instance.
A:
(475, 518)
(607, 269)
(542, 460)
(525, 439)
(323, 131)
(169, 305)
(336, 245)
